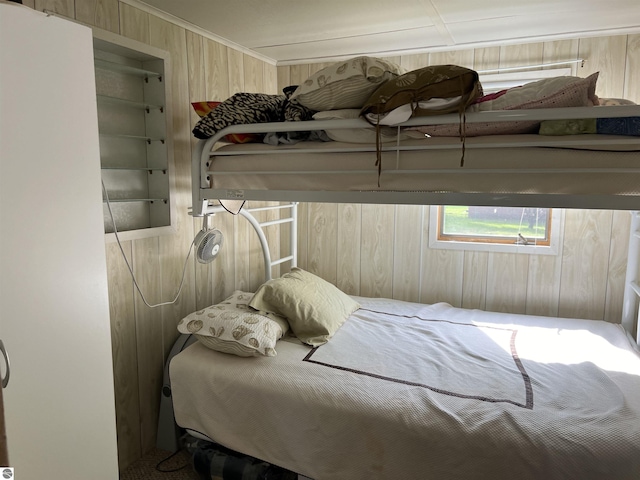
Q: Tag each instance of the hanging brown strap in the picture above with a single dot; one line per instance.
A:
(378, 150)
(463, 133)
(462, 112)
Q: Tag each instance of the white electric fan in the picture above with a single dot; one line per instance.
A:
(207, 242)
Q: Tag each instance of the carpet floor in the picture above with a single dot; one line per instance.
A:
(145, 468)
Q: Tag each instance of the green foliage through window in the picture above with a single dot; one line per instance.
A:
(507, 225)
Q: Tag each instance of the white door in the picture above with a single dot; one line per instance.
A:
(54, 315)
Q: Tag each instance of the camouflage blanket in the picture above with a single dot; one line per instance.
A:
(215, 462)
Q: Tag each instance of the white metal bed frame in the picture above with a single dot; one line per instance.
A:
(204, 152)
(203, 195)
(168, 431)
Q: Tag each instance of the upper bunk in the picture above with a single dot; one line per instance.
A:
(550, 143)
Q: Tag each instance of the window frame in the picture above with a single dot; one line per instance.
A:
(551, 247)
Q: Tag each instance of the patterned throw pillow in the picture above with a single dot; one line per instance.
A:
(452, 87)
(240, 109)
(346, 84)
(204, 108)
(233, 327)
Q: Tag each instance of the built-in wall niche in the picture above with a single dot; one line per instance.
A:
(134, 124)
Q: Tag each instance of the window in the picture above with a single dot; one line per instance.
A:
(500, 229)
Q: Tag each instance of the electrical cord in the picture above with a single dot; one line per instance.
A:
(172, 469)
(124, 256)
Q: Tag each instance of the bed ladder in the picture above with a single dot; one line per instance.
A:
(292, 218)
(630, 314)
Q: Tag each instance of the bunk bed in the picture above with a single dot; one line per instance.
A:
(523, 146)
(403, 390)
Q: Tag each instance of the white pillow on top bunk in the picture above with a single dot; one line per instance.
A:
(233, 327)
(360, 135)
(556, 92)
(346, 84)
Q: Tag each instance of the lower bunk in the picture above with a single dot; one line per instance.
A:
(413, 391)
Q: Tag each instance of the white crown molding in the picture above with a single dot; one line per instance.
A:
(466, 46)
(387, 53)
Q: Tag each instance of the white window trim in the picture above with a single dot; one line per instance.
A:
(557, 233)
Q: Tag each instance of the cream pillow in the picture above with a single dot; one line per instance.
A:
(232, 327)
(360, 135)
(556, 92)
(315, 308)
(346, 84)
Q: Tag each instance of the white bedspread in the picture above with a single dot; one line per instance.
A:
(410, 391)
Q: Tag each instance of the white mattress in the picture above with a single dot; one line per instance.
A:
(410, 391)
(572, 165)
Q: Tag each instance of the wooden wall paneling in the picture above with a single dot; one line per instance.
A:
(223, 267)
(606, 55)
(397, 59)
(142, 404)
(149, 332)
(620, 229)
(254, 82)
(62, 7)
(235, 69)
(507, 282)
(562, 50)
(303, 235)
(242, 232)
(463, 58)
(322, 241)
(216, 63)
(241, 228)
(442, 274)
(414, 61)
(376, 254)
(348, 248)
(270, 79)
(100, 13)
(298, 74)
(441, 270)
(283, 77)
(316, 67)
(632, 69)
(174, 248)
(217, 81)
(124, 348)
(543, 284)
(520, 55)
(487, 58)
(274, 237)
(407, 252)
(272, 82)
(474, 279)
(197, 75)
(585, 261)
(134, 23)
(256, 258)
(253, 74)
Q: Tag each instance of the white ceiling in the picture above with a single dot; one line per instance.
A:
(299, 31)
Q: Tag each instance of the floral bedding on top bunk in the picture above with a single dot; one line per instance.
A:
(384, 94)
